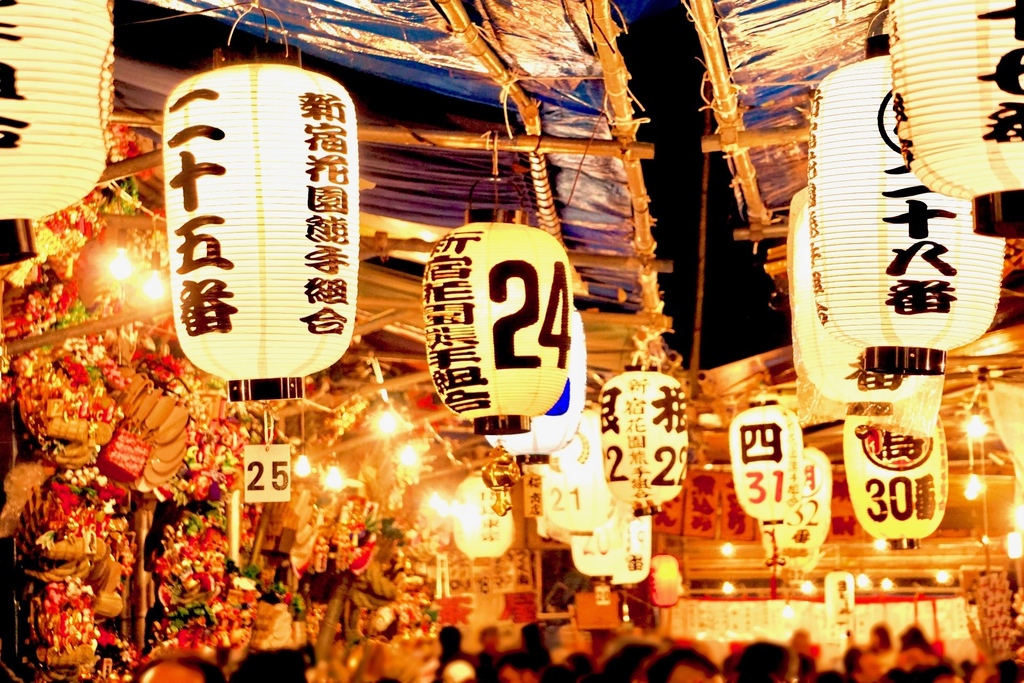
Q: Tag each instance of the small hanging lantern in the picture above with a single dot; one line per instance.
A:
(765, 444)
(895, 267)
(603, 552)
(478, 530)
(635, 566)
(840, 605)
(805, 528)
(576, 496)
(956, 69)
(898, 484)
(666, 581)
(496, 303)
(262, 174)
(56, 91)
(644, 438)
(555, 429)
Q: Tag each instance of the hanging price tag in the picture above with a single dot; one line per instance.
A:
(268, 474)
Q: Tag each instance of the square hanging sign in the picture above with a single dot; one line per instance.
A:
(268, 473)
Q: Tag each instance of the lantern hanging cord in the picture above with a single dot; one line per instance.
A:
(255, 6)
(268, 423)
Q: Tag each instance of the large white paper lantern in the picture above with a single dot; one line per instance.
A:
(478, 530)
(832, 365)
(575, 495)
(898, 484)
(956, 77)
(55, 97)
(806, 526)
(765, 445)
(644, 438)
(896, 268)
(496, 303)
(556, 428)
(636, 564)
(261, 165)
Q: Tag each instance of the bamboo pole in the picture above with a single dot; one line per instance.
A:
(784, 135)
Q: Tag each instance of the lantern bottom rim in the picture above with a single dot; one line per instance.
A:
(17, 241)
(905, 360)
(266, 389)
(500, 425)
(903, 543)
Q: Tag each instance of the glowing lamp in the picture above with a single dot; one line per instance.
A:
(898, 483)
(644, 438)
(666, 580)
(56, 91)
(765, 443)
(496, 302)
(261, 169)
(895, 267)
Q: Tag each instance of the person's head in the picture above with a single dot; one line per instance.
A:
(489, 638)
(914, 638)
(458, 671)
(829, 677)
(532, 639)
(869, 668)
(941, 673)
(680, 665)
(851, 660)
(881, 639)
(764, 662)
(517, 667)
(280, 666)
(622, 665)
(801, 642)
(1008, 671)
(451, 641)
(180, 668)
(580, 664)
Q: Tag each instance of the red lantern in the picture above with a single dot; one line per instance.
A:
(666, 581)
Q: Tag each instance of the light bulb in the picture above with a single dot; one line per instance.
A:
(976, 427)
(807, 588)
(1014, 545)
(728, 549)
(302, 466)
(728, 588)
(625, 612)
(334, 482)
(387, 423)
(880, 544)
(154, 286)
(943, 577)
(121, 266)
(974, 487)
(788, 612)
(863, 581)
(439, 505)
(887, 584)
(408, 457)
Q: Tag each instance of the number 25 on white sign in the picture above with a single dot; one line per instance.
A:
(268, 473)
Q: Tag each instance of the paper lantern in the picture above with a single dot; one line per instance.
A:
(840, 605)
(644, 438)
(261, 169)
(666, 581)
(603, 552)
(895, 267)
(765, 443)
(478, 530)
(898, 484)
(635, 566)
(805, 527)
(833, 366)
(555, 429)
(56, 89)
(575, 495)
(496, 303)
(956, 77)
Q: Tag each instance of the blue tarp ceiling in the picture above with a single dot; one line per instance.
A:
(546, 43)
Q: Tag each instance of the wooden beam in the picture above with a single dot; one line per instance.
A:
(746, 139)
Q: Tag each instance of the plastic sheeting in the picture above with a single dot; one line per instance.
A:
(779, 50)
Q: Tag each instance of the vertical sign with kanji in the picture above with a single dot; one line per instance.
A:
(262, 173)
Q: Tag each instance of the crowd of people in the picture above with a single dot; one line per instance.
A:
(631, 659)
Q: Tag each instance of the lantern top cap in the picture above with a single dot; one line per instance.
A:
(877, 44)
